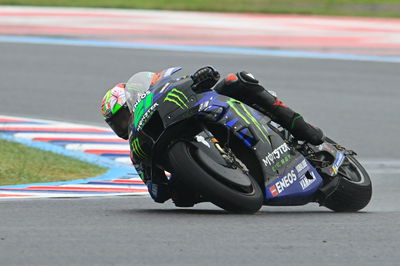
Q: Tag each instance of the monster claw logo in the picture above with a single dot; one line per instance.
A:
(137, 149)
(178, 98)
(248, 118)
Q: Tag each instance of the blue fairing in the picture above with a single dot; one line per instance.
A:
(210, 99)
(296, 186)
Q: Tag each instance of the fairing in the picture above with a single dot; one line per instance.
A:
(296, 186)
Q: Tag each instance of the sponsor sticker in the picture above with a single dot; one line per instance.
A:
(300, 178)
(301, 166)
(146, 116)
(274, 191)
(177, 97)
(306, 182)
(275, 155)
(338, 162)
(140, 97)
(281, 162)
(286, 181)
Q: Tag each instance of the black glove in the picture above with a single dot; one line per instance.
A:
(204, 78)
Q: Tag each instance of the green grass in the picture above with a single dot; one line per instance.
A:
(385, 8)
(20, 164)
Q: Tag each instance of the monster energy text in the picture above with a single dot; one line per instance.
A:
(276, 154)
(146, 116)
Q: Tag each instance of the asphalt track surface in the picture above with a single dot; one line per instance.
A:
(354, 102)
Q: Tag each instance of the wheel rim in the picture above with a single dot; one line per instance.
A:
(247, 190)
(350, 171)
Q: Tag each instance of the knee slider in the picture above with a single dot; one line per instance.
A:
(249, 83)
(247, 77)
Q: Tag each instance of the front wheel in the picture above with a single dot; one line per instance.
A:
(202, 173)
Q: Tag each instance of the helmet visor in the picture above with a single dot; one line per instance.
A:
(136, 87)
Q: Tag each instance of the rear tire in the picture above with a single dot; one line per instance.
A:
(354, 189)
(188, 168)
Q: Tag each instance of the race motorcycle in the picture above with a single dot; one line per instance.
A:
(232, 155)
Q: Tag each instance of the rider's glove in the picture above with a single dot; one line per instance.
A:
(204, 78)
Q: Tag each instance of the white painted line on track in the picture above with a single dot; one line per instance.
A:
(112, 186)
(45, 126)
(63, 135)
(53, 122)
(126, 160)
(121, 179)
(111, 147)
(334, 38)
(67, 195)
(381, 166)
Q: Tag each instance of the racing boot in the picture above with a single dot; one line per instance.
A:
(245, 88)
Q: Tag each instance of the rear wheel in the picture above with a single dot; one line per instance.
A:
(226, 187)
(353, 189)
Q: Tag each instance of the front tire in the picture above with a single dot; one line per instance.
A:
(191, 168)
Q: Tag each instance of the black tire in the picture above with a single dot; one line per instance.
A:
(186, 166)
(354, 189)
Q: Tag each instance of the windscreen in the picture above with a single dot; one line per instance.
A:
(136, 86)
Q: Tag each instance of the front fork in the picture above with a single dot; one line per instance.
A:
(231, 160)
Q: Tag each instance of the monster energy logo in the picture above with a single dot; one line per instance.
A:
(141, 109)
(248, 117)
(137, 149)
(178, 98)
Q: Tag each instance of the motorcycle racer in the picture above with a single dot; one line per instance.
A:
(241, 86)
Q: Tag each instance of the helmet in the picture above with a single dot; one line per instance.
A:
(115, 110)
